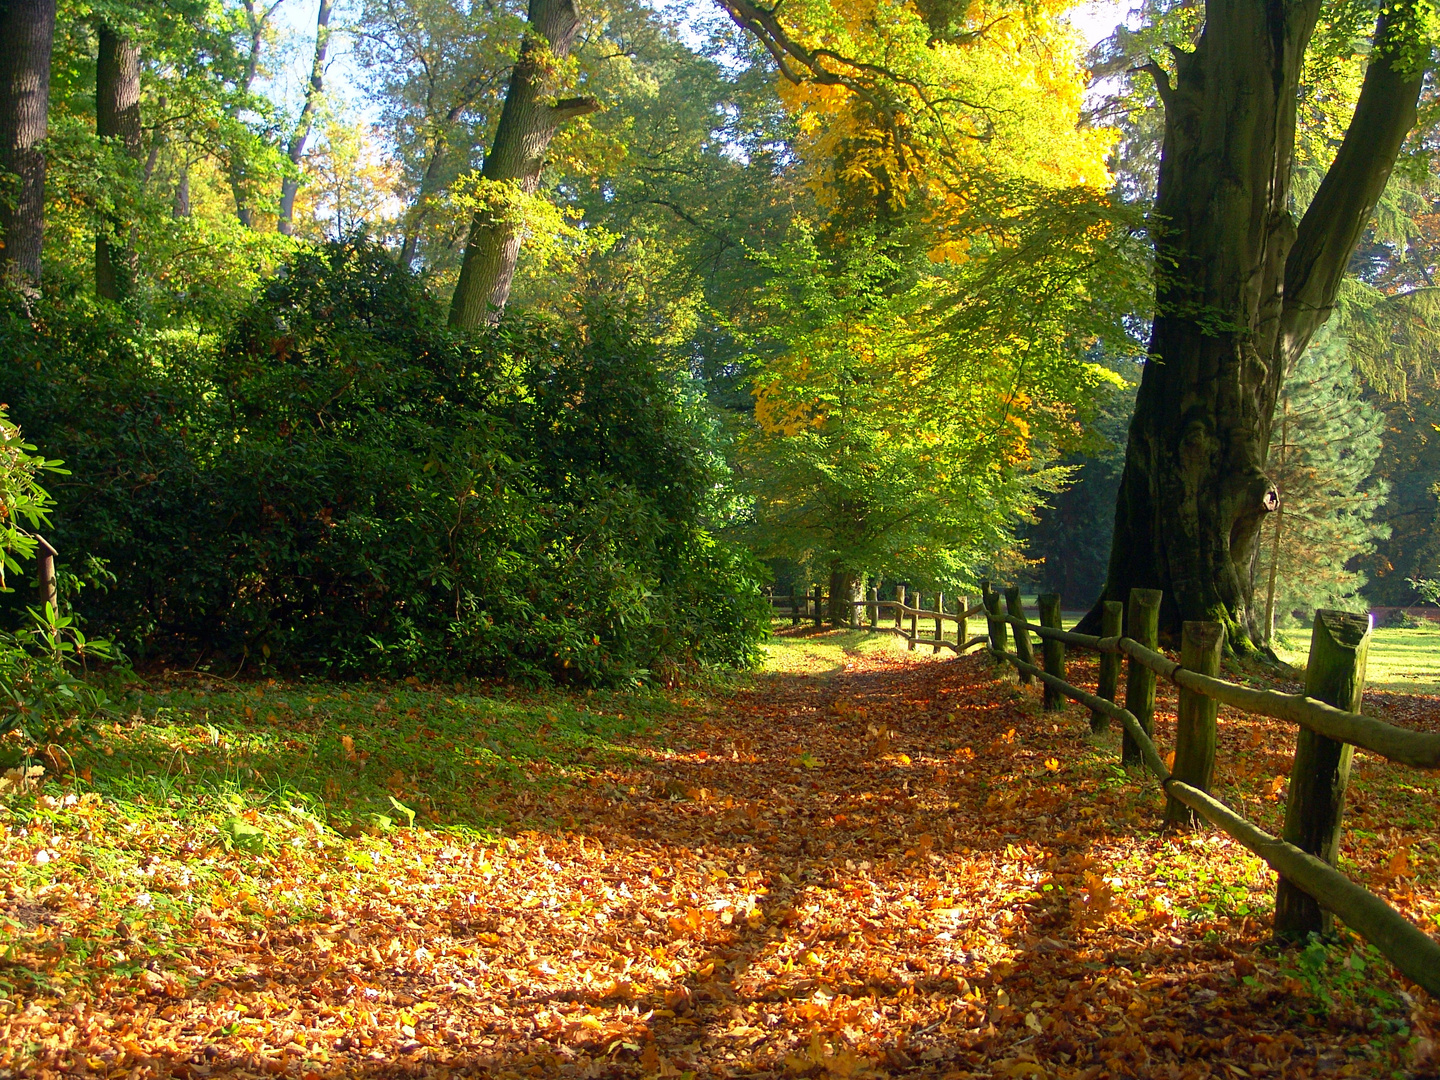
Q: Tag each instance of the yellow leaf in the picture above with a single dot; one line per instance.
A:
(1053, 764)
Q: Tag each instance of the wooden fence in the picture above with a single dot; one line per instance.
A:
(1309, 889)
(866, 615)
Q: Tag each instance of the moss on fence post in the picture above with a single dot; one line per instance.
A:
(1049, 605)
(1334, 674)
(1023, 648)
(996, 625)
(1200, 646)
(1112, 624)
(1143, 625)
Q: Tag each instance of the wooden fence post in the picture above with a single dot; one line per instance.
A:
(872, 609)
(915, 619)
(939, 620)
(1200, 647)
(1049, 604)
(995, 624)
(1142, 623)
(1335, 674)
(1023, 648)
(819, 607)
(794, 607)
(1112, 624)
(899, 603)
(962, 629)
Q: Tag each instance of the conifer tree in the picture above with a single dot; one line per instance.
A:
(1322, 454)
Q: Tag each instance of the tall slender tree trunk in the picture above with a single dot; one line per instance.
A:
(290, 185)
(1279, 529)
(1240, 292)
(527, 124)
(117, 118)
(257, 16)
(27, 31)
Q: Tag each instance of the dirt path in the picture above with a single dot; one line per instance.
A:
(885, 865)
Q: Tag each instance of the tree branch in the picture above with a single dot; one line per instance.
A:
(1331, 227)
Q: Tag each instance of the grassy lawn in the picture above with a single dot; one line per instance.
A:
(1401, 661)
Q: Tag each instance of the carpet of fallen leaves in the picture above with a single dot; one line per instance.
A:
(885, 864)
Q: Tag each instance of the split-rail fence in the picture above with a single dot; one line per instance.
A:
(1309, 888)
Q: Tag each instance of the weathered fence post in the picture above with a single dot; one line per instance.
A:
(939, 620)
(962, 629)
(1049, 605)
(1112, 624)
(996, 625)
(794, 607)
(1335, 674)
(915, 618)
(819, 607)
(1142, 623)
(1200, 647)
(872, 609)
(899, 605)
(1023, 648)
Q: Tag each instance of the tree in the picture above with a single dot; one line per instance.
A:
(295, 150)
(117, 119)
(438, 77)
(1240, 290)
(1322, 454)
(528, 122)
(27, 29)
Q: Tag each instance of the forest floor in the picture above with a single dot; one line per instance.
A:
(857, 862)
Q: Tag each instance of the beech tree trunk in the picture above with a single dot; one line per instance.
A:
(27, 30)
(117, 118)
(1240, 290)
(845, 587)
(290, 185)
(528, 121)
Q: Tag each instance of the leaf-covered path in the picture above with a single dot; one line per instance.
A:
(862, 863)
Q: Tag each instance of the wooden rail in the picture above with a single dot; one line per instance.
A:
(1313, 810)
(813, 605)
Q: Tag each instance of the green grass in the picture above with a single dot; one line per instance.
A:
(825, 652)
(1402, 661)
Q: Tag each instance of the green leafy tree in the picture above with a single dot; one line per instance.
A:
(1322, 456)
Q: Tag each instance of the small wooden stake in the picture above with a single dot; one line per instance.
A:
(1112, 624)
(1023, 648)
(1143, 625)
(1335, 674)
(872, 609)
(1200, 647)
(996, 625)
(1049, 604)
(939, 620)
(915, 619)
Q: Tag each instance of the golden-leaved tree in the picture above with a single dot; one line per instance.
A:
(930, 349)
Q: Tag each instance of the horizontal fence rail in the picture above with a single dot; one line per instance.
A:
(1331, 732)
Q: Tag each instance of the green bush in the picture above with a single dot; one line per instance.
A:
(339, 483)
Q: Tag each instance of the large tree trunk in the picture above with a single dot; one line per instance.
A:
(27, 30)
(117, 118)
(1239, 292)
(290, 185)
(527, 124)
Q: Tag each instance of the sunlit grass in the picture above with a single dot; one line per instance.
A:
(1403, 661)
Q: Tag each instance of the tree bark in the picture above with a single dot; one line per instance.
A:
(27, 30)
(290, 185)
(1239, 293)
(845, 588)
(117, 119)
(527, 124)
